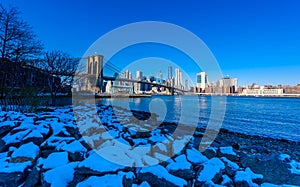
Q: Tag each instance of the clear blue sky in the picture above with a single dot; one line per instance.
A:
(253, 40)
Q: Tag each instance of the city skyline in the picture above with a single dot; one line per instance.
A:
(253, 40)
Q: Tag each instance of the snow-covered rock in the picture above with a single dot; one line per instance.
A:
(59, 176)
(195, 157)
(95, 164)
(226, 181)
(230, 167)
(158, 176)
(115, 180)
(12, 173)
(210, 152)
(54, 160)
(276, 168)
(212, 171)
(246, 178)
(228, 153)
(6, 126)
(76, 150)
(181, 168)
(27, 152)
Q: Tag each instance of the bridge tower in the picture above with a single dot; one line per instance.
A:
(94, 66)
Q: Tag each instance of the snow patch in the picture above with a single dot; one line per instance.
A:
(60, 176)
(227, 150)
(211, 169)
(195, 157)
(162, 173)
(29, 150)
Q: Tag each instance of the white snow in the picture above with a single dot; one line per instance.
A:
(57, 142)
(227, 150)
(162, 173)
(148, 160)
(54, 160)
(179, 144)
(161, 157)
(6, 167)
(211, 168)
(180, 164)
(34, 134)
(230, 164)
(7, 123)
(29, 150)
(225, 180)
(60, 176)
(295, 167)
(15, 138)
(162, 147)
(106, 180)
(99, 164)
(247, 176)
(195, 157)
(283, 157)
(73, 147)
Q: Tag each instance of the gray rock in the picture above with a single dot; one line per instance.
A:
(5, 127)
(274, 169)
(33, 178)
(97, 165)
(228, 153)
(159, 176)
(212, 171)
(26, 152)
(226, 181)
(247, 178)
(210, 152)
(230, 167)
(181, 168)
(11, 179)
(13, 174)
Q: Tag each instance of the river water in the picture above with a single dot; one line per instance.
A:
(270, 117)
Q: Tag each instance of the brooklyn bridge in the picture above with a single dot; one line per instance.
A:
(95, 68)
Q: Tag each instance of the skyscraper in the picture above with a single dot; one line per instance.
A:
(233, 85)
(159, 77)
(130, 75)
(202, 81)
(170, 72)
(186, 87)
(178, 78)
(139, 75)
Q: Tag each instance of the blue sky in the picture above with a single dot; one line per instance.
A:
(255, 41)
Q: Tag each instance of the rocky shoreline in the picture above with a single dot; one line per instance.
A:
(52, 148)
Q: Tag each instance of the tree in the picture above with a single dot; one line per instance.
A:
(62, 68)
(18, 46)
(18, 41)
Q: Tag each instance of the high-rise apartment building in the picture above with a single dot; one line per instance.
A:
(202, 81)
(139, 75)
(178, 78)
(170, 72)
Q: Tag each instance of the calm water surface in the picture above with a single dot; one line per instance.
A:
(271, 117)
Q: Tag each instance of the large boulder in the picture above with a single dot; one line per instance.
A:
(247, 178)
(227, 152)
(212, 171)
(26, 152)
(13, 174)
(181, 168)
(59, 176)
(96, 165)
(158, 176)
(33, 177)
